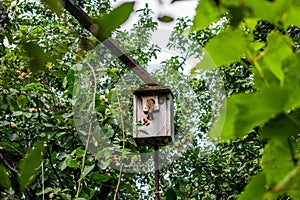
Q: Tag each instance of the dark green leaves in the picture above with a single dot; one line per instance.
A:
(36, 55)
(29, 165)
(108, 23)
(277, 161)
(255, 189)
(171, 194)
(165, 18)
(55, 5)
(4, 177)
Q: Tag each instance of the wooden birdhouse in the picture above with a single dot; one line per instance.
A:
(153, 116)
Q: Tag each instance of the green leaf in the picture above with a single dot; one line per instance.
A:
(224, 124)
(13, 105)
(109, 133)
(66, 196)
(241, 118)
(17, 113)
(87, 170)
(47, 190)
(22, 101)
(281, 127)
(255, 188)
(171, 194)
(55, 5)
(260, 10)
(292, 183)
(293, 14)
(4, 177)
(108, 23)
(103, 164)
(71, 163)
(227, 47)
(207, 13)
(248, 118)
(165, 18)
(79, 152)
(36, 55)
(292, 80)
(100, 178)
(29, 164)
(277, 161)
(63, 165)
(279, 48)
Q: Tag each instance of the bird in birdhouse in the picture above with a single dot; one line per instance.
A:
(148, 108)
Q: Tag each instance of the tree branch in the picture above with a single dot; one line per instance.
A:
(77, 12)
(8, 165)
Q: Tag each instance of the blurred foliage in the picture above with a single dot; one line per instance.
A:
(267, 43)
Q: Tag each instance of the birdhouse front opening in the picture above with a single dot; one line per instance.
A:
(153, 116)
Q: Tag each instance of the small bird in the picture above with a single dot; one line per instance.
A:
(148, 108)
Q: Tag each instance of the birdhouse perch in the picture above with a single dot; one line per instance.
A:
(153, 116)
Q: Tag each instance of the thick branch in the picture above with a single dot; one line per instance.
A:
(88, 23)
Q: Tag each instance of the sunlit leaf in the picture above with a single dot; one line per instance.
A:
(248, 118)
(260, 10)
(207, 13)
(294, 183)
(227, 47)
(277, 51)
(241, 118)
(103, 164)
(293, 14)
(292, 80)
(66, 196)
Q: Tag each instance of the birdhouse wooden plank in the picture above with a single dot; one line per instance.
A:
(153, 116)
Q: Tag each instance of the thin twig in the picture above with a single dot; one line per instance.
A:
(89, 132)
(8, 165)
(43, 181)
(123, 146)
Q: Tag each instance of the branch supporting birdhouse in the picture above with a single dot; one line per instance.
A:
(76, 11)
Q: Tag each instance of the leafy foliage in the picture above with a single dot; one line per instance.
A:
(271, 52)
